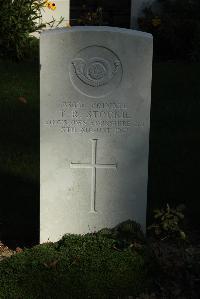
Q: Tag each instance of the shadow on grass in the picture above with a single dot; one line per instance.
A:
(174, 139)
(19, 153)
(19, 213)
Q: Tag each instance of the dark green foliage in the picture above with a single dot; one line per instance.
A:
(177, 36)
(100, 12)
(18, 18)
(168, 223)
(91, 18)
(125, 234)
(75, 267)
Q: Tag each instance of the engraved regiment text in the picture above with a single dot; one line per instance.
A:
(103, 117)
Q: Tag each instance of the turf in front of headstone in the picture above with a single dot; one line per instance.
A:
(90, 266)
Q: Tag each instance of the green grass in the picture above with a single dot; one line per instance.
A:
(19, 152)
(19, 122)
(75, 267)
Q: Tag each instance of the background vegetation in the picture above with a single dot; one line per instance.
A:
(18, 18)
(175, 25)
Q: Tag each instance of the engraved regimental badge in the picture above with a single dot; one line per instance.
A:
(95, 71)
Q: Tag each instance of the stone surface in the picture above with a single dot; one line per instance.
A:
(95, 119)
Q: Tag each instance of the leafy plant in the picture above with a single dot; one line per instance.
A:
(168, 223)
(19, 18)
(91, 16)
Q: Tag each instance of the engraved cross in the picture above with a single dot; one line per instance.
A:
(94, 165)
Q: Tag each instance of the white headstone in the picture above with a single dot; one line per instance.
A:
(95, 119)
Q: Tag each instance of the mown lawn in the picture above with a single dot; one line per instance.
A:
(19, 111)
(174, 144)
(19, 152)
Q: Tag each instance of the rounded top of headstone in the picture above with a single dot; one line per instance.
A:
(98, 29)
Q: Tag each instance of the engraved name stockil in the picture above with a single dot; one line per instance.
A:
(107, 114)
